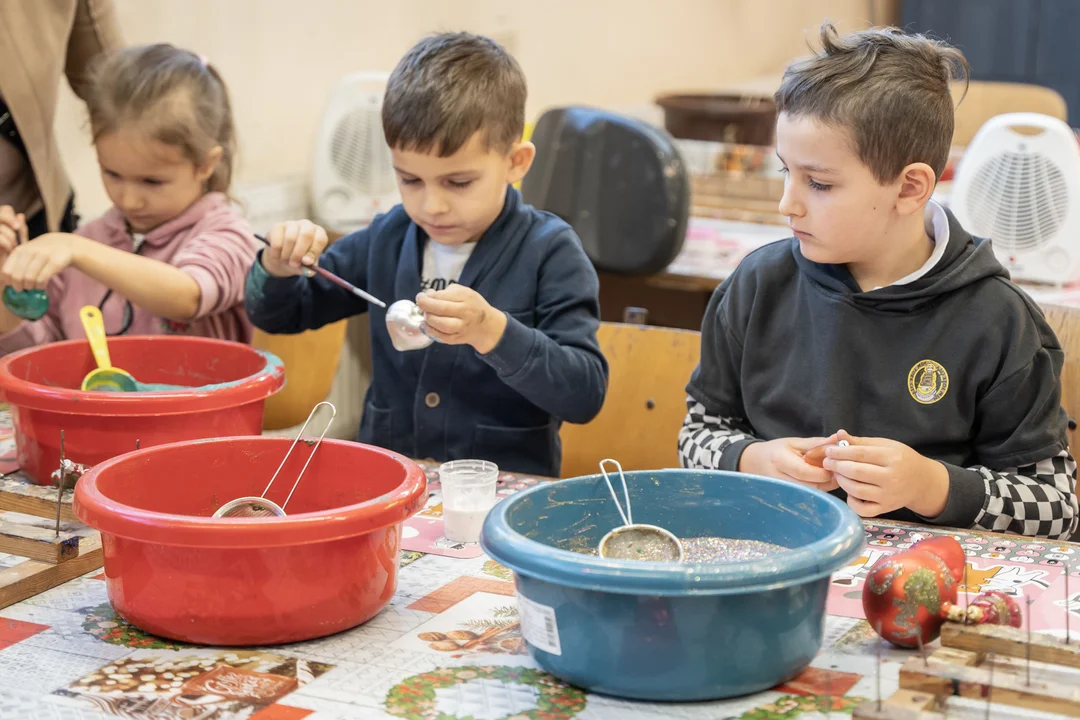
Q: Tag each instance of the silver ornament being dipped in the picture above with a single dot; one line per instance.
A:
(405, 323)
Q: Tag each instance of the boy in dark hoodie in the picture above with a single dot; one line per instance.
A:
(882, 317)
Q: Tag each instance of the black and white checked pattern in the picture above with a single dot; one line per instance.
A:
(704, 437)
(1033, 500)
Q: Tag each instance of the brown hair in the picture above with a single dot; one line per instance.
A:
(450, 86)
(177, 97)
(890, 90)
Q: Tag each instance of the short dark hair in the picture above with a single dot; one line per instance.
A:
(450, 86)
(889, 89)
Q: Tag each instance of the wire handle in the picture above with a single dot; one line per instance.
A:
(628, 518)
(333, 414)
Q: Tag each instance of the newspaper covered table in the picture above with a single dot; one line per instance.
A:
(448, 647)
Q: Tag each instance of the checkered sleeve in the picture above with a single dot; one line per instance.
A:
(1033, 500)
(710, 442)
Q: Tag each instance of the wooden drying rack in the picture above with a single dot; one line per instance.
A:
(987, 662)
(52, 558)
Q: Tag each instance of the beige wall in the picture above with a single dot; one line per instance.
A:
(281, 58)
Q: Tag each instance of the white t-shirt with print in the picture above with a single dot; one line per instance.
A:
(443, 264)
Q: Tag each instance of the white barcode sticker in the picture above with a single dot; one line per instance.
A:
(538, 625)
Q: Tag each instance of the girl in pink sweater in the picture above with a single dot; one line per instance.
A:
(172, 253)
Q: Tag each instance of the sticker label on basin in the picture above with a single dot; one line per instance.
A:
(538, 625)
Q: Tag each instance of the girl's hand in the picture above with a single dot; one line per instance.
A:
(33, 264)
(13, 230)
(294, 246)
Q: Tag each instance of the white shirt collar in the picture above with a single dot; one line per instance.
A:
(937, 227)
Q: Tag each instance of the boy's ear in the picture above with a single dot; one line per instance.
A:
(522, 155)
(207, 168)
(917, 183)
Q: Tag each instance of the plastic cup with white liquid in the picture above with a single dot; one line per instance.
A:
(468, 493)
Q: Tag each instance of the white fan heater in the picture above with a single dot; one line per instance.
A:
(354, 176)
(1018, 184)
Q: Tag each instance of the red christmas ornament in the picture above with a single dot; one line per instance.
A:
(907, 594)
(949, 550)
(910, 594)
(991, 607)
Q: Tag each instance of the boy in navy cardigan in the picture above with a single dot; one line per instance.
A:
(509, 294)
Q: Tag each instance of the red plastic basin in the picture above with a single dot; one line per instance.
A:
(41, 384)
(174, 571)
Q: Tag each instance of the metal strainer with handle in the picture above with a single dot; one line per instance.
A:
(255, 507)
(636, 541)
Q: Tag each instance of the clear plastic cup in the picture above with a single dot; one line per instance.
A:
(468, 493)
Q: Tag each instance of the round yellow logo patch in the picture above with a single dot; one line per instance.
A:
(928, 382)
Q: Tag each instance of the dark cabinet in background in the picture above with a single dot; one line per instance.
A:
(1027, 41)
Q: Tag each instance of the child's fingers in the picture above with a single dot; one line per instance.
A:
(865, 454)
(438, 336)
(445, 325)
(47, 273)
(864, 508)
(306, 237)
(23, 228)
(7, 215)
(52, 268)
(9, 238)
(823, 487)
(275, 238)
(805, 445)
(791, 463)
(829, 486)
(868, 441)
(289, 236)
(863, 491)
(15, 269)
(857, 471)
(436, 306)
(454, 292)
(7, 266)
(11, 266)
(319, 241)
(35, 267)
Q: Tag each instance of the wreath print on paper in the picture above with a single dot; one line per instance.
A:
(792, 706)
(103, 623)
(496, 570)
(414, 697)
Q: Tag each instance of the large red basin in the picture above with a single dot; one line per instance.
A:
(174, 571)
(41, 384)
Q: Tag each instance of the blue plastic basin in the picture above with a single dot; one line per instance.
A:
(655, 631)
